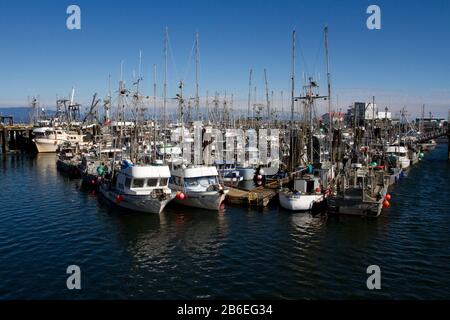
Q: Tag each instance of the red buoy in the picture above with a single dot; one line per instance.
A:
(181, 196)
(318, 190)
(386, 204)
(388, 197)
(119, 198)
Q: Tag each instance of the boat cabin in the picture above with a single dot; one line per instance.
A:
(137, 180)
(195, 178)
(307, 184)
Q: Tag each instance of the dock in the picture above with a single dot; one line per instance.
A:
(15, 137)
(257, 197)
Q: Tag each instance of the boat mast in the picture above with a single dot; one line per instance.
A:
(249, 94)
(197, 99)
(165, 89)
(154, 107)
(267, 98)
(292, 149)
(329, 96)
(207, 105)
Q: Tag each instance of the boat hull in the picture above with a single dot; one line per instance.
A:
(301, 202)
(354, 208)
(203, 200)
(46, 145)
(68, 168)
(143, 204)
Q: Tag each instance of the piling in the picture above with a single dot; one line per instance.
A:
(5, 140)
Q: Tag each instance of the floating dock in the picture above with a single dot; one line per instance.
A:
(258, 197)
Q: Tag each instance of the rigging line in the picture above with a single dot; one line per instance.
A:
(188, 68)
(299, 44)
(172, 57)
(321, 44)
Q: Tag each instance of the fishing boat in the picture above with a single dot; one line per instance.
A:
(67, 161)
(227, 171)
(363, 192)
(401, 153)
(306, 192)
(48, 139)
(197, 187)
(139, 188)
(92, 160)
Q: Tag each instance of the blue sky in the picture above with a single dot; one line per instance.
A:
(406, 63)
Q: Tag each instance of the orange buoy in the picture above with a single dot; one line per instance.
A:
(386, 204)
(318, 190)
(388, 197)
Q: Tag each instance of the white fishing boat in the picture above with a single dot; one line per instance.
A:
(139, 188)
(401, 153)
(197, 187)
(48, 139)
(305, 193)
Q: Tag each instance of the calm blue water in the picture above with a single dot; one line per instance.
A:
(48, 223)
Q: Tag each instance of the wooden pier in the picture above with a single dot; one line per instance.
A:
(258, 197)
(15, 137)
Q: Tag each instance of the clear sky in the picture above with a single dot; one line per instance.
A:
(406, 63)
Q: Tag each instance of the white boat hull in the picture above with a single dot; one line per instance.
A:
(405, 163)
(203, 200)
(47, 145)
(144, 204)
(300, 202)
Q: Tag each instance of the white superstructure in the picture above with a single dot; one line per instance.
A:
(199, 185)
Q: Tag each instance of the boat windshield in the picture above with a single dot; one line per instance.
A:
(200, 181)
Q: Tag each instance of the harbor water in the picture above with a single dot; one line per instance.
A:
(49, 223)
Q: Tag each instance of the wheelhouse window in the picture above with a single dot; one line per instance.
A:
(152, 182)
(191, 182)
(202, 181)
(163, 181)
(138, 183)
